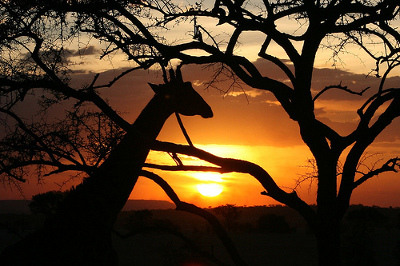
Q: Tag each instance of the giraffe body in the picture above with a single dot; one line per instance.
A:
(80, 232)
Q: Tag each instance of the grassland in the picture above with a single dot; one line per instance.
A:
(273, 235)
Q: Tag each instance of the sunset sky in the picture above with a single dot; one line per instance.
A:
(250, 127)
(247, 125)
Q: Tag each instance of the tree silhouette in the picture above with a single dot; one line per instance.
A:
(134, 27)
(230, 214)
(273, 223)
(46, 203)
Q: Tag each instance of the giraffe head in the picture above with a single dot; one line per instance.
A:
(181, 96)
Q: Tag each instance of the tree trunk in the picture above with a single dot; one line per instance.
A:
(328, 242)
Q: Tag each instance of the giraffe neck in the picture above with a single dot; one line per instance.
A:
(141, 135)
(152, 118)
(100, 197)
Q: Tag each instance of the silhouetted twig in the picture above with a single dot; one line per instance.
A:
(211, 219)
(242, 166)
(189, 141)
(340, 87)
(392, 165)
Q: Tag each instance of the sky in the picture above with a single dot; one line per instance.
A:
(247, 124)
(256, 129)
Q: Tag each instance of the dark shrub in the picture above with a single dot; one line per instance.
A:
(273, 223)
(46, 203)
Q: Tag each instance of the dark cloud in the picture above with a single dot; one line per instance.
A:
(356, 82)
(323, 77)
(90, 50)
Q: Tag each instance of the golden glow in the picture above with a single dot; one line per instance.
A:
(283, 163)
(207, 176)
(223, 150)
(210, 190)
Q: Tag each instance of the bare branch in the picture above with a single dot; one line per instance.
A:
(108, 85)
(368, 111)
(181, 167)
(340, 87)
(178, 118)
(275, 60)
(241, 166)
(183, 206)
(392, 165)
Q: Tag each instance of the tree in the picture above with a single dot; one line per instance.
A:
(133, 27)
(230, 214)
(273, 223)
(46, 203)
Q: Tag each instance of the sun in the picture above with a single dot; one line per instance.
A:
(210, 183)
(210, 190)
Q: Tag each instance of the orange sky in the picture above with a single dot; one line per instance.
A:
(252, 128)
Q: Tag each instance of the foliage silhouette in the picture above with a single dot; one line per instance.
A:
(139, 220)
(273, 223)
(230, 214)
(361, 224)
(46, 203)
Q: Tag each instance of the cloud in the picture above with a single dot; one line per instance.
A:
(253, 93)
(86, 51)
(90, 50)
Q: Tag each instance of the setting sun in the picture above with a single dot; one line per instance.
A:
(210, 190)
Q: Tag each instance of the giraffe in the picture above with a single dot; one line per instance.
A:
(80, 231)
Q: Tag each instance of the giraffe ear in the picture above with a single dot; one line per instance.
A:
(155, 88)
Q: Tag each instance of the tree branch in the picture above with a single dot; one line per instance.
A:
(187, 207)
(275, 60)
(389, 166)
(241, 166)
(363, 136)
(178, 118)
(180, 167)
(368, 110)
(340, 87)
(62, 87)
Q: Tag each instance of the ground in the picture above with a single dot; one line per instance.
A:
(263, 235)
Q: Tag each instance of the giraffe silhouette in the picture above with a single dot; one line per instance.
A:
(80, 231)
